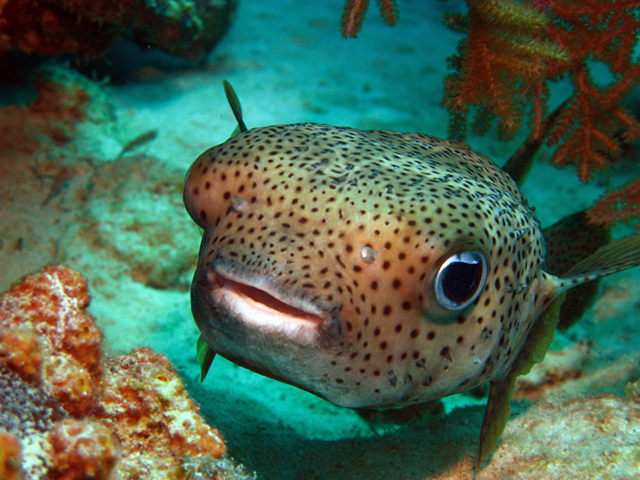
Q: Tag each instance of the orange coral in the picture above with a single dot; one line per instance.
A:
(9, 457)
(52, 306)
(354, 11)
(148, 407)
(514, 50)
(591, 128)
(19, 350)
(130, 416)
(503, 38)
(618, 205)
(81, 449)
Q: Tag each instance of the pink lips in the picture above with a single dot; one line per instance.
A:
(260, 307)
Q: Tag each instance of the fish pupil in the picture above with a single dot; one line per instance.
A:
(461, 279)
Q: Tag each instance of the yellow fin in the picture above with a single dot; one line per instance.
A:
(205, 357)
(236, 108)
(498, 405)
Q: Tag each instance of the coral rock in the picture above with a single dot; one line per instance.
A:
(81, 449)
(152, 414)
(77, 419)
(9, 457)
(77, 27)
(559, 367)
(567, 438)
(52, 304)
(19, 350)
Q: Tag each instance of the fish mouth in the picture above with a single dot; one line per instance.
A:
(258, 304)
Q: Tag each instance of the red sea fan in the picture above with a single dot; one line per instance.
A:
(354, 11)
(617, 205)
(514, 50)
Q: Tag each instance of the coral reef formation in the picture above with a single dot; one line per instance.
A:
(69, 413)
(187, 28)
(506, 75)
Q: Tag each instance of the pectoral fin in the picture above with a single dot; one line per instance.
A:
(205, 357)
(498, 405)
(570, 241)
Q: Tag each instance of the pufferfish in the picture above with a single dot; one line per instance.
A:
(375, 269)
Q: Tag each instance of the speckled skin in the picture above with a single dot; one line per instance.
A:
(343, 231)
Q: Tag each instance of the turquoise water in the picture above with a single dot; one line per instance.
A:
(118, 219)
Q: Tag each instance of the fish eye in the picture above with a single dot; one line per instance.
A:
(460, 280)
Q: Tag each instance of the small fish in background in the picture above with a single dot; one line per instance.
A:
(378, 269)
(137, 142)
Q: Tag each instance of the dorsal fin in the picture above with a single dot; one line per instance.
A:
(236, 108)
(570, 241)
(520, 163)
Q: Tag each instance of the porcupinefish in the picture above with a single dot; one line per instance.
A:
(372, 268)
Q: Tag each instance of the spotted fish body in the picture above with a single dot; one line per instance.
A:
(345, 231)
(373, 268)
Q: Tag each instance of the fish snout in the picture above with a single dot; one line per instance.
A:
(213, 188)
(235, 299)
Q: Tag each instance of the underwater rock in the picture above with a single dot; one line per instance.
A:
(69, 413)
(134, 213)
(64, 101)
(188, 29)
(568, 438)
(78, 189)
(559, 366)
